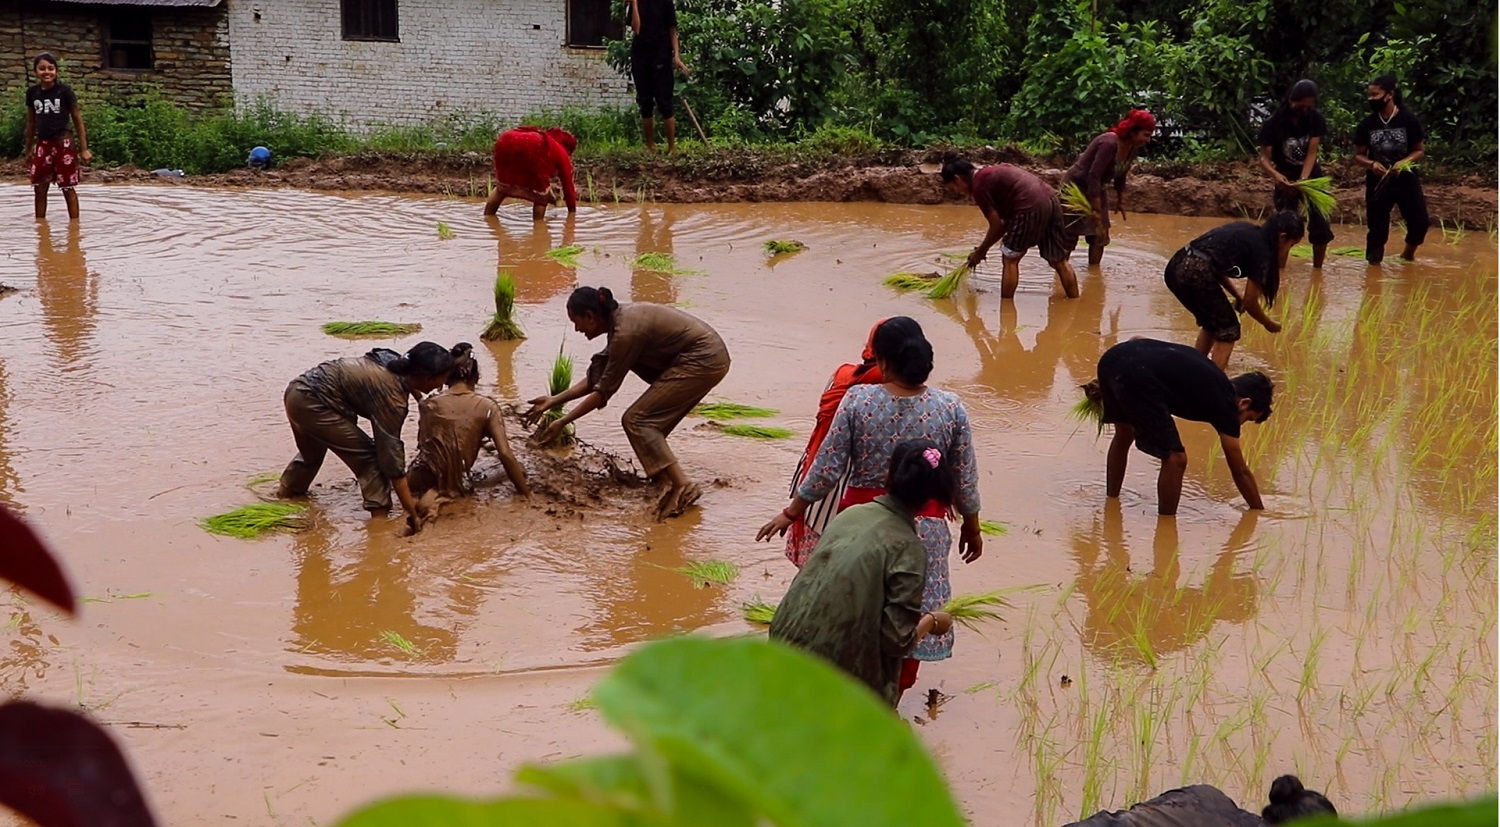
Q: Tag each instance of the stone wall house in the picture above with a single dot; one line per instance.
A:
(111, 47)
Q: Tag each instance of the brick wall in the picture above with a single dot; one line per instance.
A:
(498, 57)
(191, 48)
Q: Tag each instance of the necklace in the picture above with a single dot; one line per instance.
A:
(1384, 121)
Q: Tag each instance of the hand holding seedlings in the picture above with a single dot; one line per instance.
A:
(539, 406)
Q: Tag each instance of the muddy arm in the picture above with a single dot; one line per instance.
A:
(496, 430)
(1244, 479)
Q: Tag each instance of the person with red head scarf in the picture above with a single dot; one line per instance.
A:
(527, 158)
(1108, 158)
(803, 535)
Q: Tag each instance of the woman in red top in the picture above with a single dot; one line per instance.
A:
(526, 160)
(1107, 160)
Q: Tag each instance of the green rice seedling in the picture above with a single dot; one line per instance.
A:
(758, 431)
(381, 329)
(759, 611)
(582, 704)
(1301, 251)
(946, 285)
(1090, 408)
(778, 247)
(256, 519)
(660, 263)
(993, 528)
(1347, 252)
(560, 380)
(706, 572)
(503, 326)
(732, 410)
(911, 281)
(1074, 200)
(970, 610)
(397, 640)
(1396, 169)
(1318, 193)
(444, 231)
(566, 256)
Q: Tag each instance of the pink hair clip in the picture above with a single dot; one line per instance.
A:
(933, 456)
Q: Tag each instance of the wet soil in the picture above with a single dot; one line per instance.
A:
(1347, 633)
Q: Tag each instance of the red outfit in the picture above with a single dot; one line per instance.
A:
(529, 157)
(55, 161)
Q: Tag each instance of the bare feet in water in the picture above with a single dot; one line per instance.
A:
(677, 499)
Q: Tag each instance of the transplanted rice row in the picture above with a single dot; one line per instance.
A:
(377, 329)
(503, 326)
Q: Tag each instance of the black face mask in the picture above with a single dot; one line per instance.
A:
(1377, 105)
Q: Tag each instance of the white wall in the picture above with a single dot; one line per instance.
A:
(455, 57)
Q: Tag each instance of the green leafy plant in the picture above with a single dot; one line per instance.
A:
(503, 326)
(359, 329)
(758, 611)
(758, 431)
(706, 572)
(947, 285)
(1318, 193)
(732, 410)
(777, 247)
(566, 256)
(971, 610)
(1074, 201)
(255, 519)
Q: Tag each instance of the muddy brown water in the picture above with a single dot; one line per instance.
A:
(1346, 634)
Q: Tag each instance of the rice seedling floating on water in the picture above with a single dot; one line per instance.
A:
(705, 572)
(444, 231)
(778, 247)
(1318, 193)
(759, 611)
(993, 528)
(503, 327)
(387, 329)
(732, 410)
(911, 281)
(1074, 201)
(971, 610)
(659, 263)
(1306, 251)
(397, 640)
(254, 520)
(566, 256)
(757, 431)
(946, 285)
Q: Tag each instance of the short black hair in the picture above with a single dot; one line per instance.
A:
(1289, 801)
(920, 472)
(1258, 388)
(47, 56)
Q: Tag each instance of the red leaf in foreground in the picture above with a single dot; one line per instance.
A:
(25, 561)
(60, 769)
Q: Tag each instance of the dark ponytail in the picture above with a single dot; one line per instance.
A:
(956, 166)
(1287, 223)
(920, 473)
(465, 368)
(1289, 801)
(425, 359)
(901, 345)
(596, 300)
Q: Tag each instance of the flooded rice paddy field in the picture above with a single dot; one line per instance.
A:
(1346, 634)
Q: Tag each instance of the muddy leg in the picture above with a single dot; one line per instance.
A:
(1096, 252)
(70, 197)
(40, 197)
(492, 204)
(1068, 277)
(681, 493)
(648, 128)
(1010, 277)
(1169, 483)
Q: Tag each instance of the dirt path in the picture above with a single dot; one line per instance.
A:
(1232, 190)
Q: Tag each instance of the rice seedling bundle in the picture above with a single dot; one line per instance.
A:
(757, 431)
(778, 247)
(946, 285)
(444, 231)
(993, 528)
(659, 263)
(971, 610)
(1074, 201)
(911, 281)
(1306, 251)
(370, 329)
(566, 256)
(503, 327)
(254, 520)
(759, 612)
(560, 380)
(1090, 409)
(732, 410)
(1318, 193)
(705, 572)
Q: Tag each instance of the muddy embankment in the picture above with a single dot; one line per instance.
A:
(1230, 189)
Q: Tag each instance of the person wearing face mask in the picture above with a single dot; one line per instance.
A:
(1388, 137)
(1289, 143)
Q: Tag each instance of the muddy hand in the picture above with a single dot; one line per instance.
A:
(539, 406)
(549, 434)
(778, 526)
(413, 525)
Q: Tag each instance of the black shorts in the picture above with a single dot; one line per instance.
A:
(651, 71)
(1140, 407)
(1195, 282)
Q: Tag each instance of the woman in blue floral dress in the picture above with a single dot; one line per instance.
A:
(866, 429)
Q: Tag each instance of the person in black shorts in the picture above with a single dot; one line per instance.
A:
(654, 52)
(1143, 383)
(1289, 143)
(1200, 273)
(1391, 135)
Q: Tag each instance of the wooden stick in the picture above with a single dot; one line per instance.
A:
(694, 118)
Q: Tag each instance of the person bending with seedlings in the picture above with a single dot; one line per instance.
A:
(1143, 383)
(324, 406)
(1202, 805)
(857, 602)
(1289, 143)
(527, 158)
(678, 355)
(1108, 160)
(1388, 142)
(50, 107)
(654, 53)
(1023, 212)
(1201, 272)
(450, 428)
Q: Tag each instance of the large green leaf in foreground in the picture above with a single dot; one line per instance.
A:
(437, 811)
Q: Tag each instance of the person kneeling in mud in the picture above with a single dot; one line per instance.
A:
(1143, 383)
(1202, 805)
(450, 428)
(678, 355)
(857, 601)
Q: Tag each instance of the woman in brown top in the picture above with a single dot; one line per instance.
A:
(324, 405)
(450, 427)
(1022, 212)
(1108, 158)
(677, 354)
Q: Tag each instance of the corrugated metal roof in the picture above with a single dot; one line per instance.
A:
(206, 4)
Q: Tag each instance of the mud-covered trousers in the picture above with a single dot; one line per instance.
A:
(319, 429)
(649, 420)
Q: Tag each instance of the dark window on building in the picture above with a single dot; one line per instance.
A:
(127, 41)
(591, 21)
(370, 20)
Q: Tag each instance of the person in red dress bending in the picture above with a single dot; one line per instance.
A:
(527, 158)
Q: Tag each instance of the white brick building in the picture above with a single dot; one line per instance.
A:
(370, 62)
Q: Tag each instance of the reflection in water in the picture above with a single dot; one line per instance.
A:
(655, 236)
(10, 482)
(538, 276)
(1146, 615)
(69, 294)
(24, 657)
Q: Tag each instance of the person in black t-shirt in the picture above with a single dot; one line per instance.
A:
(50, 106)
(1143, 383)
(654, 51)
(1385, 139)
(1200, 273)
(1289, 143)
